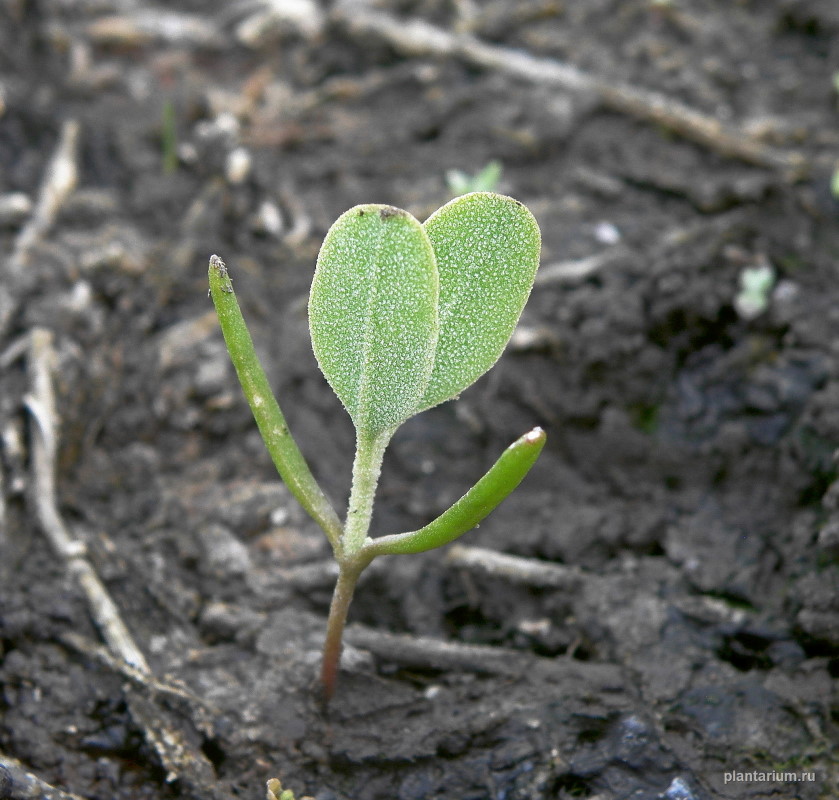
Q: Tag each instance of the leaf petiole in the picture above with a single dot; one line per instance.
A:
(367, 467)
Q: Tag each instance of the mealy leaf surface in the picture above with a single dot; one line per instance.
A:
(487, 250)
(373, 314)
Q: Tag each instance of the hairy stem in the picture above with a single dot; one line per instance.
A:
(369, 452)
(367, 467)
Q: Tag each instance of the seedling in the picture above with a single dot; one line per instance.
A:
(274, 791)
(169, 138)
(403, 316)
(756, 284)
(834, 182)
(485, 180)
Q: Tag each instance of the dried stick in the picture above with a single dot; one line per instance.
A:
(578, 270)
(418, 38)
(427, 653)
(41, 405)
(137, 677)
(181, 759)
(145, 25)
(18, 783)
(4, 540)
(529, 571)
(59, 181)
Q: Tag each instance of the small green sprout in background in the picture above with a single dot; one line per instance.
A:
(274, 791)
(756, 284)
(486, 180)
(403, 316)
(169, 137)
(834, 182)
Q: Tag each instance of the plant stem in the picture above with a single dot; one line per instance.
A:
(369, 452)
(341, 599)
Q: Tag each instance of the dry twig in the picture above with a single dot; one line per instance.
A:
(415, 37)
(143, 26)
(41, 405)
(427, 653)
(59, 181)
(137, 677)
(3, 538)
(266, 18)
(579, 270)
(529, 571)
(181, 758)
(17, 783)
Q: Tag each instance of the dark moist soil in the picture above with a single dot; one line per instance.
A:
(689, 484)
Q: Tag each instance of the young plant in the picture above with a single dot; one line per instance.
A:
(403, 316)
(756, 284)
(485, 180)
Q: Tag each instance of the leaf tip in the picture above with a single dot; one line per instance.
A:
(536, 436)
(533, 440)
(219, 275)
(217, 266)
(386, 212)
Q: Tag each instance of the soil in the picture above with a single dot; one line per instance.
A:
(688, 489)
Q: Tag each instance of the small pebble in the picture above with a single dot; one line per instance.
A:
(279, 516)
(607, 233)
(679, 790)
(224, 553)
(238, 165)
(14, 208)
(268, 219)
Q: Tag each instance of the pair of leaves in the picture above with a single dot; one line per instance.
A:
(405, 316)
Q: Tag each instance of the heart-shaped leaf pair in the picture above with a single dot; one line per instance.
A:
(404, 316)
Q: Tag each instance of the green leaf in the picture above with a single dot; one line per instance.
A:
(269, 418)
(487, 250)
(373, 314)
(485, 180)
(504, 475)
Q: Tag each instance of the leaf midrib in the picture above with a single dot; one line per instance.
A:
(364, 377)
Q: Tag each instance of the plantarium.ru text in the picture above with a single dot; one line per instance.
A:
(403, 316)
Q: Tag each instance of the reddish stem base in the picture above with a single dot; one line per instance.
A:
(332, 646)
